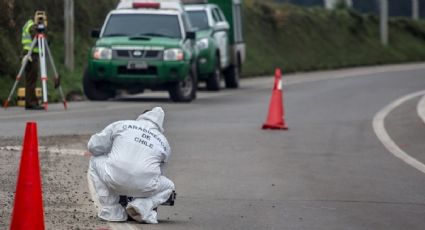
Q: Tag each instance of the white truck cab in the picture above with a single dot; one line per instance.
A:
(219, 40)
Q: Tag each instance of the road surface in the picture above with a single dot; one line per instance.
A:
(330, 170)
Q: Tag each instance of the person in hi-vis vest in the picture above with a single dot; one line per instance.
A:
(29, 31)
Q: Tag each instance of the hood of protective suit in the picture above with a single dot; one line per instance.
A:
(156, 116)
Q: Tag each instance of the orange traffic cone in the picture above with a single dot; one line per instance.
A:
(276, 116)
(28, 207)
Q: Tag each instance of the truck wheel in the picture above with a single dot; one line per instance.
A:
(93, 91)
(184, 91)
(232, 76)
(214, 79)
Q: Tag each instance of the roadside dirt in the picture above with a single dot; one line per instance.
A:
(67, 201)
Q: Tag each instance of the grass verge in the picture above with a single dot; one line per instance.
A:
(305, 39)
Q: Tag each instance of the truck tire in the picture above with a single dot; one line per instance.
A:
(93, 91)
(184, 91)
(231, 76)
(214, 79)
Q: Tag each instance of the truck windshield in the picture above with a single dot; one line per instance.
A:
(198, 19)
(133, 25)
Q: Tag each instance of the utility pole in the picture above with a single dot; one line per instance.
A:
(383, 21)
(331, 4)
(69, 34)
(415, 9)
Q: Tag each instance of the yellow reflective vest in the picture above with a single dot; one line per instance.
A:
(26, 36)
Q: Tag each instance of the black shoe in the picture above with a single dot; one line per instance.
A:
(34, 107)
(123, 201)
(171, 199)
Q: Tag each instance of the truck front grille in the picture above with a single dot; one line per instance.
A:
(123, 53)
(137, 54)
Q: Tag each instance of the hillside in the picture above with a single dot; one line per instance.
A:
(313, 38)
(277, 35)
(396, 7)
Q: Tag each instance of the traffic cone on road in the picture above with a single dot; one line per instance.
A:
(28, 208)
(276, 116)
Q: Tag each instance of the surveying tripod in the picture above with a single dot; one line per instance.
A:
(43, 51)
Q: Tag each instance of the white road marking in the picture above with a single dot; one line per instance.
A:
(76, 152)
(93, 194)
(69, 111)
(381, 132)
(421, 109)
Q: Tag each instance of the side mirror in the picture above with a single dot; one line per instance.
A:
(221, 26)
(191, 35)
(95, 33)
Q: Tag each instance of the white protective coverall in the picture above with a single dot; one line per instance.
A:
(128, 159)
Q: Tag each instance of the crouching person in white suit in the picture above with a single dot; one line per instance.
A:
(128, 159)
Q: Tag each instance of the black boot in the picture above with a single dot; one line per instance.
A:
(171, 199)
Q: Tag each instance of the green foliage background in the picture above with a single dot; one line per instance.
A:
(13, 15)
(307, 39)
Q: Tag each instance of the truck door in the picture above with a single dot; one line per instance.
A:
(221, 30)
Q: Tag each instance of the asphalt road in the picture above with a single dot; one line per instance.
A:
(328, 171)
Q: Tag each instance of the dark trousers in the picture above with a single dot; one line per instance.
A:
(31, 75)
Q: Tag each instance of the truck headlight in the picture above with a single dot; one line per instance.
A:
(202, 44)
(173, 55)
(102, 53)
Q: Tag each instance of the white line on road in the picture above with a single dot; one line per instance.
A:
(76, 152)
(421, 109)
(381, 132)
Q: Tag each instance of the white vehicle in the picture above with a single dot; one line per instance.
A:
(220, 44)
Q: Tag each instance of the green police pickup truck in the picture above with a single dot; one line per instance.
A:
(220, 44)
(143, 45)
